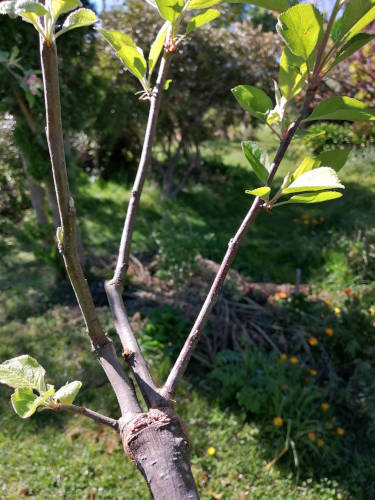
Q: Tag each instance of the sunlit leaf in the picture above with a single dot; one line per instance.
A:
(291, 74)
(30, 6)
(157, 47)
(317, 179)
(313, 197)
(341, 108)
(78, 19)
(22, 371)
(59, 7)
(253, 100)
(257, 159)
(357, 15)
(301, 28)
(356, 43)
(201, 19)
(170, 9)
(202, 4)
(306, 165)
(262, 192)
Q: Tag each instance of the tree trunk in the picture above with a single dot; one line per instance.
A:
(36, 195)
(157, 444)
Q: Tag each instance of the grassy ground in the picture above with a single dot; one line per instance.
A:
(59, 456)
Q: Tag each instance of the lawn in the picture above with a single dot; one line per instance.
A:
(60, 456)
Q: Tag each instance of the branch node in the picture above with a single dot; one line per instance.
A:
(100, 343)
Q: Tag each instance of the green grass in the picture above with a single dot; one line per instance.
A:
(61, 456)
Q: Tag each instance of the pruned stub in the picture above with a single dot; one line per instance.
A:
(157, 443)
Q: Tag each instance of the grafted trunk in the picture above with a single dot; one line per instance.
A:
(157, 444)
(36, 195)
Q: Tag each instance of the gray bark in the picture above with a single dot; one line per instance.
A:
(157, 443)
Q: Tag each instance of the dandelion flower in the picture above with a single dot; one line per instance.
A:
(320, 442)
(294, 360)
(306, 221)
(211, 451)
(278, 421)
(340, 431)
(313, 341)
(313, 373)
(311, 436)
(283, 356)
(336, 310)
(328, 331)
(325, 406)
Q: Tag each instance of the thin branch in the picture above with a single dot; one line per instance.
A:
(170, 387)
(97, 417)
(114, 287)
(101, 344)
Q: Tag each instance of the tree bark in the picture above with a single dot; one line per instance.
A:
(157, 444)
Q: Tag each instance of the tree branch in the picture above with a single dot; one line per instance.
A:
(170, 386)
(115, 286)
(97, 417)
(101, 344)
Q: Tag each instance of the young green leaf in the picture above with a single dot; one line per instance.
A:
(357, 15)
(291, 74)
(356, 43)
(8, 8)
(25, 402)
(170, 9)
(67, 393)
(336, 29)
(201, 19)
(59, 7)
(335, 158)
(306, 165)
(341, 108)
(78, 19)
(257, 159)
(253, 100)
(30, 6)
(317, 179)
(277, 5)
(301, 28)
(312, 197)
(23, 371)
(202, 4)
(127, 51)
(157, 47)
(262, 192)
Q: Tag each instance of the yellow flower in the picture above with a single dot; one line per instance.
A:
(278, 421)
(313, 341)
(283, 356)
(328, 303)
(340, 431)
(294, 360)
(306, 221)
(314, 221)
(211, 450)
(313, 372)
(328, 331)
(311, 436)
(336, 310)
(325, 406)
(320, 442)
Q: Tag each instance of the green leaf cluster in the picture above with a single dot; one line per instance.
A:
(26, 376)
(44, 17)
